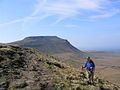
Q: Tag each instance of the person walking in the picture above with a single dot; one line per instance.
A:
(89, 65)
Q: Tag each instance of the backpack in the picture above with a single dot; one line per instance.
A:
(89, 65)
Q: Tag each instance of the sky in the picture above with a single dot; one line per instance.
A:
(87, 24)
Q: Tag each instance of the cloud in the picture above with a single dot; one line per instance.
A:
(17, 21)
(67, 9)
(64, 9)
(38, 7)
(28, 18)
(11, 22)
(105, 14)
(23, 21)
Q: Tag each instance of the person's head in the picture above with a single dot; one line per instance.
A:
(88, 58)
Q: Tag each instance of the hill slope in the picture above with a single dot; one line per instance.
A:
(48, 44)
(27, 69)
(51, 45)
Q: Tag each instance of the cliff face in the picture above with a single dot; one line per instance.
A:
(27, 69)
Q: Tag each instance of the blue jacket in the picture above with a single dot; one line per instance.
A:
(89, 65)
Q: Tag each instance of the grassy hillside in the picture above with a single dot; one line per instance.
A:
(27, 69)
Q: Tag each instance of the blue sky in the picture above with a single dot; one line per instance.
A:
(87, 24)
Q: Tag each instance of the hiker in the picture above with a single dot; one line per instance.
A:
(90, 68)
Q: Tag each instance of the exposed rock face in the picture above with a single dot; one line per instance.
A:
(27, 69)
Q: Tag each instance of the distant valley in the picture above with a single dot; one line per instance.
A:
(108, 65)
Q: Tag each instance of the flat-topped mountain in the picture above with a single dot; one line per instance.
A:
(48, 44)
(52, 45)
